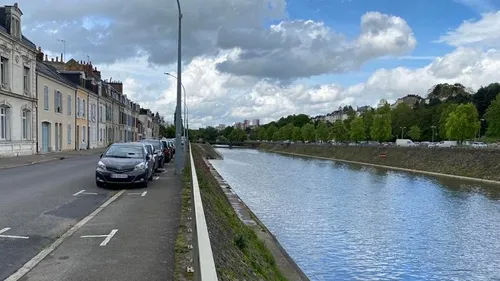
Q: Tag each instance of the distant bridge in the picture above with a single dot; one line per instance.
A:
(236, 144)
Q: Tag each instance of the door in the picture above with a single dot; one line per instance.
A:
(56, 136)
(45, 137)
(77, 138)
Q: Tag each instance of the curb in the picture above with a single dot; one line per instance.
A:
(48, 160)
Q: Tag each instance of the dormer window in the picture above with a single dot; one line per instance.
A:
(16, 27)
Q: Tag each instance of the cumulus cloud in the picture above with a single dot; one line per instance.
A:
(238, 69)
(304, 48)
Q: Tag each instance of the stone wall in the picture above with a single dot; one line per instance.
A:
(475, 163)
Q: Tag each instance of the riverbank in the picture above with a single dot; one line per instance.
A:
(469, 164)
(240, 252)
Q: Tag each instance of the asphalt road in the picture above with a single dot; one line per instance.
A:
(39, 203)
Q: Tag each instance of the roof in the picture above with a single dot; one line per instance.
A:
(51, 72)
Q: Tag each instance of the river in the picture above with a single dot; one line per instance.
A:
(351, 222)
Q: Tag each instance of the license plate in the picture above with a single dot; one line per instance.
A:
(119, 176)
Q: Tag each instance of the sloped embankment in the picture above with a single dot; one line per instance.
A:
(239, 254)
(474, 163)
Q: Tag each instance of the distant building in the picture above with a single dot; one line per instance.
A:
(409, 100)
(220, 127)
(256, 122)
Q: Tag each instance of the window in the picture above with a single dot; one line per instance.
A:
(69, 105)
(4, 66)
(4, 122)
(46, 98)
(26, 80)
(25, 125)
(69, 134)
(83, 108)
(58, 101)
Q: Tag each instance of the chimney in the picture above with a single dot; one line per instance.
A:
(52, 59)
(46, 58)
(39, 55)
(62, 57)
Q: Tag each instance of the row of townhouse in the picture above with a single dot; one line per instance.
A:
(53, 105)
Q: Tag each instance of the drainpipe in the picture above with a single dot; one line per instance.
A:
(75, 113)
(36, 111)
(98, 120)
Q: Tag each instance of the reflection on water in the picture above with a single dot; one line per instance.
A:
(350, 222)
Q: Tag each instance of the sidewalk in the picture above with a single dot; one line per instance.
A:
(13, 162)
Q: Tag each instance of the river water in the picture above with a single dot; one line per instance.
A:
(350, 222)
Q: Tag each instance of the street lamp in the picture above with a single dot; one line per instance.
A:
(186, 112)
(433, 128)
(480, 126)
(179, 156)
(402, 131)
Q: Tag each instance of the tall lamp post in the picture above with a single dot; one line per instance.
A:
(402, 131)
(178, 125)
(433, 128)
(186, 111)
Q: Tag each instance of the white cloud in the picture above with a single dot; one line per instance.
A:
(266, 61)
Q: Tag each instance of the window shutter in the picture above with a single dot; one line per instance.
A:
(56, 102)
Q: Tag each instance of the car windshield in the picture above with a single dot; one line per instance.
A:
(125, 151)
(156, 144)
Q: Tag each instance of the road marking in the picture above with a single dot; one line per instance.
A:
(90, 193)
(11, 236)
(108, 237)
(138, 193)
(79, 192)
(45, 252)
(155, 178)
(144, 193)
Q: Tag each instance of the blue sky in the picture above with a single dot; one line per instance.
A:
(428, 19)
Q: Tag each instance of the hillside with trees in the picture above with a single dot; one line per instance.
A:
(450, 112)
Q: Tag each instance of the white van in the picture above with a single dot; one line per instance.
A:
(405, 142)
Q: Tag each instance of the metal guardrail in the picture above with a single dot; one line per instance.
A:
(204, 265)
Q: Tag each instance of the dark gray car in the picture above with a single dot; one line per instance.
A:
(124, 163)
(158, 150)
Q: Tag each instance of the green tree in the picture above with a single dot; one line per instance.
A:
(296, 134)
(322, 132)
(271, 130)
(492, 117)
(227, 131)
(462, 123)
(262, 134)
(358, 129)
(402, 116)
(308, 133)
(254, 134)
(445, 112)
(276, 136)
(285, 132)
(414, 133)
(381, 129)
(339, 131)
(368, 120)
(237, 135)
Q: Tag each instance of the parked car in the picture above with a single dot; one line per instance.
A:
(158, 151)
(150, 150)
(167, 151)
(124, 163)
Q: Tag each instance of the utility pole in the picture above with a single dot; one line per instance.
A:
(402, 131)
(178, 124)
(433, 128)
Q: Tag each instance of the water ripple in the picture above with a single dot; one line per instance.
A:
(349, 222)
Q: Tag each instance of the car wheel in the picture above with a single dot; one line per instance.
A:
(145, 184)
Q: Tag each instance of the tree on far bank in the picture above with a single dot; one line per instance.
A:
(308, 132)
(237, 135)
(357, 129)
(414, 133)
(296, 134)
(262, 134)
(381, 128)
(446, 110)
(271, 130)
(492, 117)
(462, 123)
(322, 132)
(339, 132)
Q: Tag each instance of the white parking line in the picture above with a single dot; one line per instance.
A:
(144, 193)
(108, 237)
(79, 192)
(155, 178)
(45, 252)
(11, 236)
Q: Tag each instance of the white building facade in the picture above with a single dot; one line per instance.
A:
(56, 111)
(92, 115)
(17, 87)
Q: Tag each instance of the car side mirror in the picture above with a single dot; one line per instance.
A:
(100, 156)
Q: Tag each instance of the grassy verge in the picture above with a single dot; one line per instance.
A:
(239, 254)
(182, 253)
